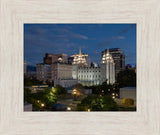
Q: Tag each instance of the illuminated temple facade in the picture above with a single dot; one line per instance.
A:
(89, 76)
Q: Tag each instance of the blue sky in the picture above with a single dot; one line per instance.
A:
(67, 38)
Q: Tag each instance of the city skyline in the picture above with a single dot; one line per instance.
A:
(67, 38)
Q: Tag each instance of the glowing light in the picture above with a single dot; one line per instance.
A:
(69, 108)
(42, 105)
(102, 90)
(38, 101)
(113, 97)
(113, 94)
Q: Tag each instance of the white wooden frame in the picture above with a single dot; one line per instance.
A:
(14, 13)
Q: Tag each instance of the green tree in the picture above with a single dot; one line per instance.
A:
(97, 103)
(126, 78)
(60, 90)
(47, 98)
(31, 81)
(27, 95)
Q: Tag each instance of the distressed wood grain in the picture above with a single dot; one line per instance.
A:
(14, 13)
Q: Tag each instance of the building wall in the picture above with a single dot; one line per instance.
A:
(75, 71)
(128, 92)
(65, 83)
(89, 76)
(43, 72)
(61, 71)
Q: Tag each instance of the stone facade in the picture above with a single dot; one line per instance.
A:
(61, 71)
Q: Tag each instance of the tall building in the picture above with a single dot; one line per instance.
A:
(89, 76)
(88, 60)
(56, 68)
(118, 57)
(55, 58)
(43, 72)
(61, 71)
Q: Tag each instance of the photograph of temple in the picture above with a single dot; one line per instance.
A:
(80, 67)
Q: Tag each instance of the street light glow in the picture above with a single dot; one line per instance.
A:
(42, 105)
(69, 108)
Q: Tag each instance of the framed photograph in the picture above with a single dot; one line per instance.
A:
(79, 67)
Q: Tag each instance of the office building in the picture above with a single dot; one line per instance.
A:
(55, 58)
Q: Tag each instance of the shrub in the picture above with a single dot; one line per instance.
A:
(128, 101)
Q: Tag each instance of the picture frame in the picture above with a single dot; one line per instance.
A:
(14, 121)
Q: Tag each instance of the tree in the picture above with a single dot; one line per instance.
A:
(97, 103)
(78, 89)
(31, 81)
(126, 78)
(60, 90)
(27, 95)
(42, 99)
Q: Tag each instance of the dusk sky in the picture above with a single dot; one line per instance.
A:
(67, 38)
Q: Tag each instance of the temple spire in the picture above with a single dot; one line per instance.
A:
(80, 51)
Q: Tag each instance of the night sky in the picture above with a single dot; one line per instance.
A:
(67, 38)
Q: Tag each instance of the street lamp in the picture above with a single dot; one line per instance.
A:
(68, 108)
(42, 105)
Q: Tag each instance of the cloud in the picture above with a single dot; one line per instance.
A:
(36, 35)
(118, 37)
(110, 40)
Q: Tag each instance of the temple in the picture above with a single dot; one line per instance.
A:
(89, 76)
